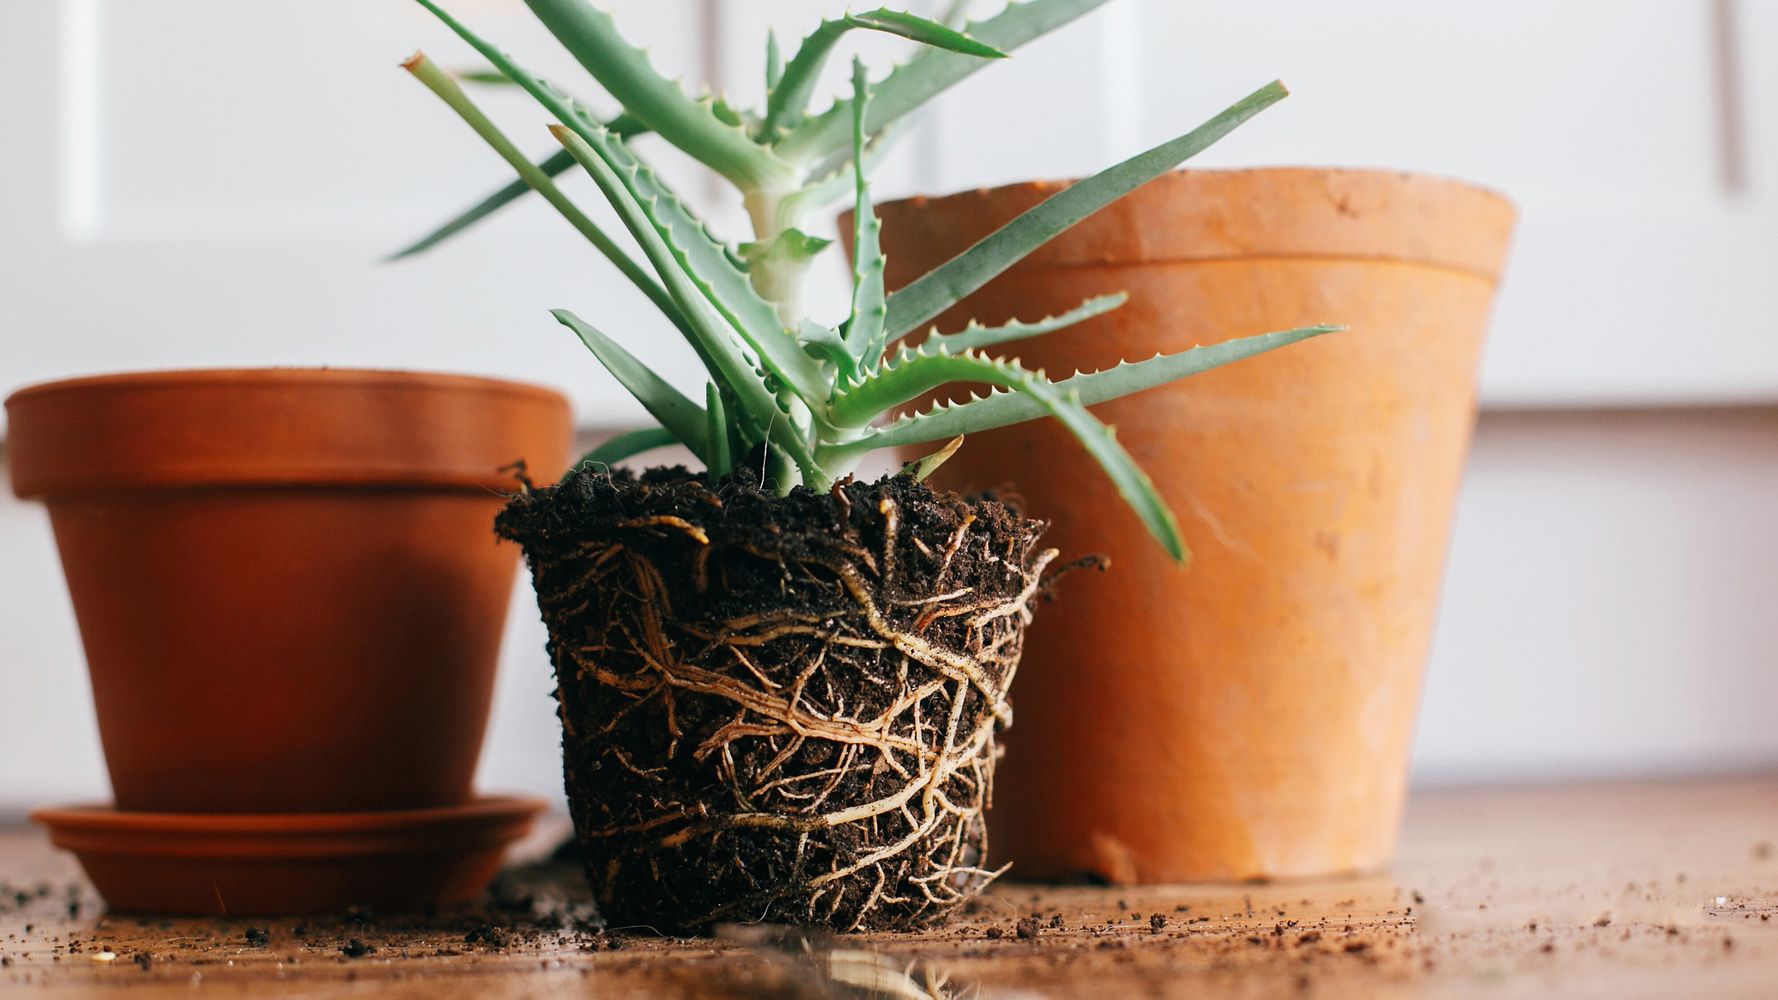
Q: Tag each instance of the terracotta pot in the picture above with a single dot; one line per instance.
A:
(287, 581)
(1248, 716)
(239, 865)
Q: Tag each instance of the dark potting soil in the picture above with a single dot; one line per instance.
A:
(778, 708)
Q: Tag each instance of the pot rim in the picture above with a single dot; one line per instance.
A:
(1250, 213)
(281, 427)
(1230, 173)
(320, 375)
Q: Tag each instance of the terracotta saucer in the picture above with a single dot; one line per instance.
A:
(217, 864)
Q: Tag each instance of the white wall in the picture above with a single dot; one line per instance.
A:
(1611, 604)
(202, 182)
(1609, 609)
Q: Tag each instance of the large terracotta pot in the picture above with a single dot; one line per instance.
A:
(1250, 715)
(287, 581)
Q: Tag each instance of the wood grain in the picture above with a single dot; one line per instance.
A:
(1652, 888)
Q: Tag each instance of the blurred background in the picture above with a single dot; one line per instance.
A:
(211, 182)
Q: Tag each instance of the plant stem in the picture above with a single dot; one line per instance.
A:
(778, 278)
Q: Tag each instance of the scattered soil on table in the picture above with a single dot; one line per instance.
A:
(779, 708)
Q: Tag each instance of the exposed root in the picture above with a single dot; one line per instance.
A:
(780, 709)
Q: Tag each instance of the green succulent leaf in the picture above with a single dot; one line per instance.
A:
(864, 328)
(789, 96)
(707, 264)
(628, 444)
(832, 182)
(975, 336)
(440, 83)
(926, 75)
(790, 245)
(1132, 483)
(553, 165)
(932, 293)
(774, 61)
(483, 77)
(717, 456)
(591, 37)
(924, 31)
(922, 467)
(915, 374)
(728, 365)
(824, 342)
(946, 420)
(684, 418)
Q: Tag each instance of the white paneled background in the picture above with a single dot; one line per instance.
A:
(207, 182)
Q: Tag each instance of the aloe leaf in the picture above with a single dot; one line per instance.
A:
(913, 375)
(926, 75)
(727, 364)
(923, 467)
(790, 245)
(717, 457)
(864, 329)
(706, 334)
(975, 336)
(591, 37)
(1132, 483)
(925, 31)
(551, 166)
(832, 182)
(825, 342)
(440, 83)
(789, 96)
(706, 263)
(627, 444)
(483, 77)
(678, 414)
(932, 293)
(774, 61)
(946, 420)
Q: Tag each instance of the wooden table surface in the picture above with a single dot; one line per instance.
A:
(1658, 888)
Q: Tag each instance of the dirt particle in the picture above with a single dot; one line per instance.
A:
(1602, 920)
(1029, 928)
(1418, 898)
(1157, 923)
(355, 948)
(488, 936)
(258, 937)
(143, 960)
(995, 933)
(1354, 947)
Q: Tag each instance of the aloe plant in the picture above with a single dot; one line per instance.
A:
(808, 400)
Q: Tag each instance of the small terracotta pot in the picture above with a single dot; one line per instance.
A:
(287, 581)
(1248, 716)
(294, 863)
